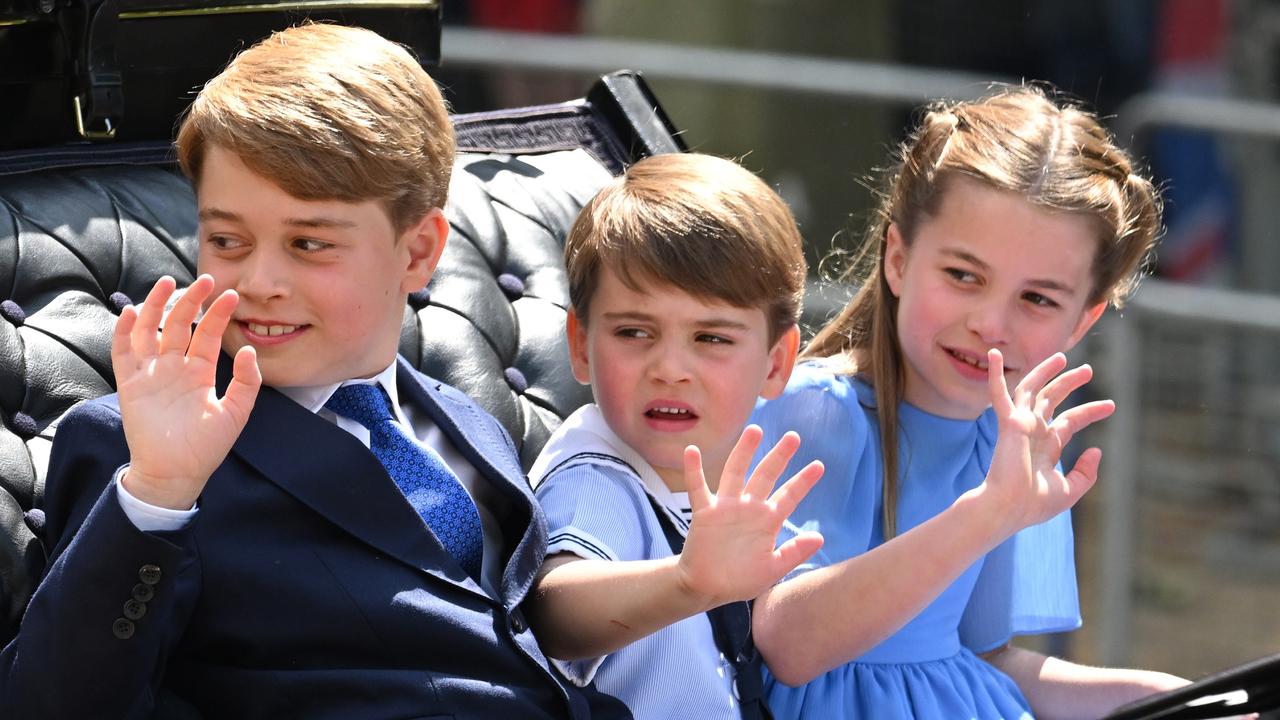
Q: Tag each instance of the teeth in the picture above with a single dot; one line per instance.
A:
(270, 330)
(980, 364)
(670, 411)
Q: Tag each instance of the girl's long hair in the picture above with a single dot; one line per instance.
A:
(1018, 139)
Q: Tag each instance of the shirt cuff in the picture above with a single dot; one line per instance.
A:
(147, 517)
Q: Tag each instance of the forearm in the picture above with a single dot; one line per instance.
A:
(588, 608)
(1060, 689)
(829, 616)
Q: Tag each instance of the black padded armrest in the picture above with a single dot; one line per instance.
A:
(85, 230)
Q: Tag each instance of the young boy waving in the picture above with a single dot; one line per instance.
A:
(686, 276)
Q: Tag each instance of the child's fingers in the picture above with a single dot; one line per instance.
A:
(695, 481)
(797, 487)
(144, 340)
(795, 551)
(1072, 421)
(177, 325)
(1034, 381)
(733, 477)
(121, 341)
(1062, 386)
(1084, 473)
(996, 384)
(207, 339)
(246, 379)
(772, 466)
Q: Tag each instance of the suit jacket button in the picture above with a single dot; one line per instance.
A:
(122, 628)
(143, 593)
(134, 610)
(518, 624)
(149, 574)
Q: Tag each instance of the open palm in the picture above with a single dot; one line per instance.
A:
(730, 552)
(177, 428)
(1025, 468)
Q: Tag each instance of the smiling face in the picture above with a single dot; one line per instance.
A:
(322, 284)
(987, 270)
(669, 369)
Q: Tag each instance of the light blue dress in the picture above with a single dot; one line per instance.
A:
(927, 669)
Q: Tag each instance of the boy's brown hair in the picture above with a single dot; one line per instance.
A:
(699, 223)
(329, 112)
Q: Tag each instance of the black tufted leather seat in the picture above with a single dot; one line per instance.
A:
(84, 231)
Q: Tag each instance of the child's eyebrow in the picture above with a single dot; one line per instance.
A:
(633, 316)
(1044, 283)
(213, 213)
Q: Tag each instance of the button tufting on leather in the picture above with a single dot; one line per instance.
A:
(419, 299)
(512, 286)
(119, 301)
(23, 425)
(516, 379)
(34, 520)
(10, 311)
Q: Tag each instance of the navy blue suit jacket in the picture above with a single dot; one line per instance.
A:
(306, 586)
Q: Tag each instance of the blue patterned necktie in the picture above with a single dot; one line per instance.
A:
(431, 487)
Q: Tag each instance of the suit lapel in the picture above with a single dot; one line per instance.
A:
(478, 439)
(334, 474)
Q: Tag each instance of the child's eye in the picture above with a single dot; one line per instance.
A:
(714, 339)
(1040, 300)
(225, 242)
(963, 276)
(311, 245)
(633, 332)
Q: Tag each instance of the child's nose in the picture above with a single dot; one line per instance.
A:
(261, 277)
(668, 364)
(990, 322)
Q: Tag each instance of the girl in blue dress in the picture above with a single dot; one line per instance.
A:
(1006, 227)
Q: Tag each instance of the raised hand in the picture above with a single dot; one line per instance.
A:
(729, 553)
(177, 428)
(1024, 471)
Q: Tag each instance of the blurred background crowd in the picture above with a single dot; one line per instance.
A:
(1179, 545)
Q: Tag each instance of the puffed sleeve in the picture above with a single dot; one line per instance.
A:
(1027, 585)
(832, 419)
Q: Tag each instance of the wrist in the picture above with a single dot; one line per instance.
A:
(693, 598)
(168, 493)
(990, 518)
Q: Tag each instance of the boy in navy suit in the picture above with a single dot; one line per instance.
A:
(233, 529)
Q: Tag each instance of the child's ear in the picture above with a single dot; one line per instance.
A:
(895, 259)
(579, 356)
(1088, 317)
(425, 241)
(782, 360)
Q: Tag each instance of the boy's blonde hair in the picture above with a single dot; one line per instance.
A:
(698, 223)
(329, 112)
(1018, 140)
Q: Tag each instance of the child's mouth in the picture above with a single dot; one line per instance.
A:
(267, 333)
(669, 413)
(973, 365)
(670, 417)
(968, 359)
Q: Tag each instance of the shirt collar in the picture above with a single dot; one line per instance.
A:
(313, 397)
